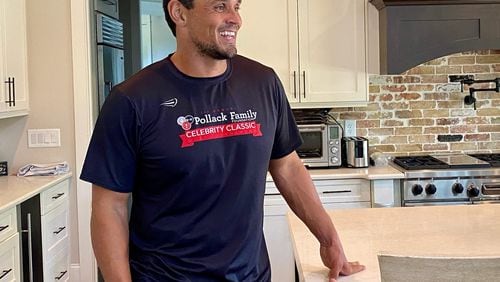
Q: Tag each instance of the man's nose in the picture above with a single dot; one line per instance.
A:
(234, 17)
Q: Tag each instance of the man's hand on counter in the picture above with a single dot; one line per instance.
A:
(334, 258)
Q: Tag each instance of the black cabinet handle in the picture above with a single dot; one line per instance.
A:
(5, 272)
(59, 230)
(61, 275)
(9, 83)
(57, 196)
(294, 84)
(304, 75)
(13, 91)
(10, 92)
(337, 192)
(2, 228)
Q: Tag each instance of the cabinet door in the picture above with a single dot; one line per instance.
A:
(269, 35)
(8, 223)
(13, 58)
(55, 227)
(279, 247)
(343, 190)
(57, 266)
(10, 267)
(386, 193)
(332, 44)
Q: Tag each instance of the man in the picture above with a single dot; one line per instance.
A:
(192, 138)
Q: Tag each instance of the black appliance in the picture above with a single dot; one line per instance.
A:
(110, 57)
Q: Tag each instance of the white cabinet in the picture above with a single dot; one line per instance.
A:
(277, 234)
(318, 48)
(45, 219)
(55, 223)
(13, 59)
(334, 194)
(10, 267)
(386, 193)
(344, 193)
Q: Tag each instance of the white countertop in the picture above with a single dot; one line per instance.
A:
(462, 230)
(370, 173)
(14, 189)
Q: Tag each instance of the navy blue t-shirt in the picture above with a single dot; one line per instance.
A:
(194, 152)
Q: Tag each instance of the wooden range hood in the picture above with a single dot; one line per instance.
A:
(414, 32)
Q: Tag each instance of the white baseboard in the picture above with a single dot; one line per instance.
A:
(74, 272)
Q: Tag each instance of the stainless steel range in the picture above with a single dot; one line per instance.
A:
(449, 179)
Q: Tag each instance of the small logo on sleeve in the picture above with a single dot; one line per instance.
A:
(170, 103)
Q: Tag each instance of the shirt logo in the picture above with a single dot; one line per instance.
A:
(217, 125)
(170, 103)
(185, 121)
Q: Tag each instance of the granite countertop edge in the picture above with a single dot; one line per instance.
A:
(16, 189)
(370, 173)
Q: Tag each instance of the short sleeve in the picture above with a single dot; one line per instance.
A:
(287, 137)
(111, 157)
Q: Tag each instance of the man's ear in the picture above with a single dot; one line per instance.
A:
(177, 12)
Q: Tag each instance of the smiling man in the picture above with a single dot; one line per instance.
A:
(192, 138)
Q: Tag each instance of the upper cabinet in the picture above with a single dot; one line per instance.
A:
(13, 59)
(318, 48)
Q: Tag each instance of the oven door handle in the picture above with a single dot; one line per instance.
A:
(435, 203)
(482, 202)
(311, 127)
(490, 189)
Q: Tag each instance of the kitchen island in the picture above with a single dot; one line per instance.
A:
(461, 230)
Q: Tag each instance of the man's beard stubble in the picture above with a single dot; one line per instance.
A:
(214, 52)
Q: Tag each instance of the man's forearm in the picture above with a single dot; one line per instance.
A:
(295, 184)
(109, 232)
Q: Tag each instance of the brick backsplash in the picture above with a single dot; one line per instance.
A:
(406, 113)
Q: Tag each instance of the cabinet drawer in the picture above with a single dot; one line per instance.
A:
(54, 196)
(54, 229)
(347, 190)
(10, 269)
(8, 223)
(58, 267)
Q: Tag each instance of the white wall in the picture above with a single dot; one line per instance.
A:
(51, 96)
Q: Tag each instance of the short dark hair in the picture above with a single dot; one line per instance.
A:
(186, 3)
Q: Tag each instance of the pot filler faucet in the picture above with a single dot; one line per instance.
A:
(469, 80)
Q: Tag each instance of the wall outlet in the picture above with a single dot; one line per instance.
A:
(349, 127)
(44, 138)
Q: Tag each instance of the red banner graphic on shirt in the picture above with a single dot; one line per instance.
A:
(220, 131)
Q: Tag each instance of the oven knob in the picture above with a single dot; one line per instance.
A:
(430, 189)
(457, 188)
(417, 189)
(472, 191)
(334, 150)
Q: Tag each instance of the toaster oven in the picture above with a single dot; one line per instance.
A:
(321, 145)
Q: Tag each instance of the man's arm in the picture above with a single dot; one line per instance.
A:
(294, 183)
(109, 231)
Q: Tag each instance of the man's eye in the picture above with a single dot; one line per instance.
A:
(220, 8)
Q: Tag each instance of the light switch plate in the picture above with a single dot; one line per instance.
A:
(44, 138)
